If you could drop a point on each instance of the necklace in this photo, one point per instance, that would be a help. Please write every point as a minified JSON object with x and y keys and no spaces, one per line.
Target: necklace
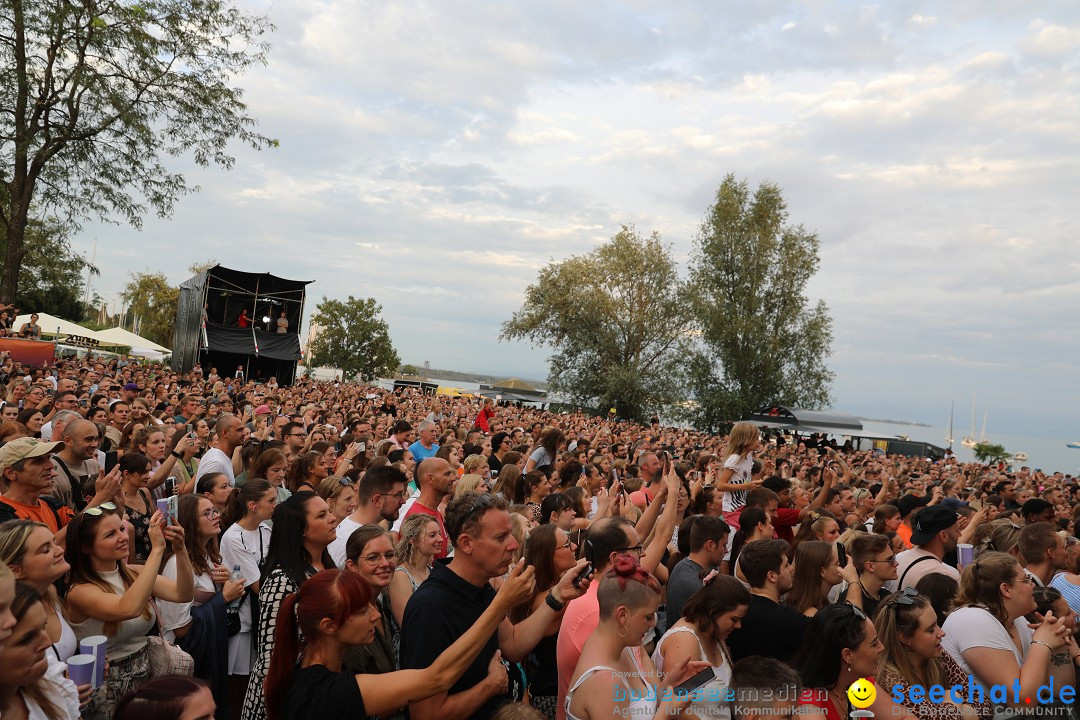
{"x":839,"y":702}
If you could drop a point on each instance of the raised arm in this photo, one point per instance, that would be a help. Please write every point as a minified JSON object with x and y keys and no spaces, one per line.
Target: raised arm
{"x":426,"y":689}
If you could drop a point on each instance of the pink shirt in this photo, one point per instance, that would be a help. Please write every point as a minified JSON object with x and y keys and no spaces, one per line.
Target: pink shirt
{"x":417,"y":509}
{"x":579,"y":622}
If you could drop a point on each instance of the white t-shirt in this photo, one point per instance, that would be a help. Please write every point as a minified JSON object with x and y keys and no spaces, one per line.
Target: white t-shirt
{"x":177,"y":615}
{"x":345,"y":529}
{"x":241,"y":547}
{"x":974,"y":627}
{"x":215,"y":461}
{"x":905,"y":559}
{"x":741,"y":467}
{"x":396,"y":527}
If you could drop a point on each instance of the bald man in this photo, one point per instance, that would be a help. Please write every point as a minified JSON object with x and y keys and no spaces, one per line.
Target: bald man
{"x":436,"y":480}
{"x":76,"y":465}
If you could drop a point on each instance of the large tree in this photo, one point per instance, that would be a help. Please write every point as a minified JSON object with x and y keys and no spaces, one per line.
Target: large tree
{"x":53,"y":276}
{"x":617,"y":319}
{"x":762,"y":340}
{"x":95,"y":93}
{"x":353,"y":337}
{"x":151,"y":306}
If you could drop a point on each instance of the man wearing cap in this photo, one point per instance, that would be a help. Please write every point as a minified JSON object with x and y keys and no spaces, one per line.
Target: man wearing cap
{"x":130,"y":391}
{"x":935,"y":531}
{"x":26,"y":464}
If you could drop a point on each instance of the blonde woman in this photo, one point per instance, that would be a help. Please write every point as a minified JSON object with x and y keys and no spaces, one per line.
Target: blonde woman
{"x":421,"y":541}
{"x":471,"y":483}
{"x":735,"y":478}
{"x":340,"y":494}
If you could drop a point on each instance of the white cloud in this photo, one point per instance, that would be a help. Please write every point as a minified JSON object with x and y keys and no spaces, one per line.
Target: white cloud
{"x":436,"y":155}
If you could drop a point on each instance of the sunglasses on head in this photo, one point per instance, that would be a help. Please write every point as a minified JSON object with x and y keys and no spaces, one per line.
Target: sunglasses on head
{"x":100,"y":509}
{"x":905,"y":597}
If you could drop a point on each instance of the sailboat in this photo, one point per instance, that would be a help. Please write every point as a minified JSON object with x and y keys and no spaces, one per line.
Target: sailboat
{"x":1073,"y":444}
{"x":969,"y":441}
{"x":948,"y":433}
{"x":982,"y":433}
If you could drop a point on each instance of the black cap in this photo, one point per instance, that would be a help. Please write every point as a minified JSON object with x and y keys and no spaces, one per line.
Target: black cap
{"x":930,"y":521}
{"x":909,"y":502}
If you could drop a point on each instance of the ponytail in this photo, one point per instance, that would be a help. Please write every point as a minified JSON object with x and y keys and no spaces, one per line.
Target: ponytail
{"x":283,"y":659}
{"x":236,"y":506}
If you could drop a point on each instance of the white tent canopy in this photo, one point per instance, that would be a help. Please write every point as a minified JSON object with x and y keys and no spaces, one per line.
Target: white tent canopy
{"x":120,"y":336}
{"x":52,"y":326}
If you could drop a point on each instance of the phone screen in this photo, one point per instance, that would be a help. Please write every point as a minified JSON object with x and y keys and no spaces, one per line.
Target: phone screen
{"x":696,"y":681}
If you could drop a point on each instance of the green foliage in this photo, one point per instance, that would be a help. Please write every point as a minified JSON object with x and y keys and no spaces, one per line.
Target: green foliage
{"x":151,"y":306}
{"x":97,"y":93}
{"x":53,"y":276}
{"x":762,"y":341}
{"x":354,"y":338}
{"x":409,"y":370}
{"x":989,"y":453}
{"x":617,"y":320}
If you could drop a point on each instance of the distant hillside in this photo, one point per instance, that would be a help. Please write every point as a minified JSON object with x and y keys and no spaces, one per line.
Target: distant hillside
{"x":487,"y":379}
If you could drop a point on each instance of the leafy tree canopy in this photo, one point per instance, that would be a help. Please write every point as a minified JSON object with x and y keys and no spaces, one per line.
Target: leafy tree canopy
{"x":353,"y":337}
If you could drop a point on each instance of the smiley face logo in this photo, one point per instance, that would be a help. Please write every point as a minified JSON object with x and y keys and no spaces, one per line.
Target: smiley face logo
{"x":862,"y":693}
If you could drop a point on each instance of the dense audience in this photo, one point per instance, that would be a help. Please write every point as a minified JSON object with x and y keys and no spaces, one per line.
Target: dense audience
{"x":341,"y":550}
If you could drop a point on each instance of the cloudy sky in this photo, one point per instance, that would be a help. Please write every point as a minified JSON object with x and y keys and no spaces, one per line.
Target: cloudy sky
{"x":435,"y":154}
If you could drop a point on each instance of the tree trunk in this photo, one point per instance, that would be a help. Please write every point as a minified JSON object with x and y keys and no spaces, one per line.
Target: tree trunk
{"x":16,"y":249}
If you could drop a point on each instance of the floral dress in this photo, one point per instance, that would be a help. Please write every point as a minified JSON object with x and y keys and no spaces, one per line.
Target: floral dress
{"x":141,"y":523}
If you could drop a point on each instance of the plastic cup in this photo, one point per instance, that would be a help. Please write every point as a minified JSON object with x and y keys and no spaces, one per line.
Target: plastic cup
{"x":96,"y":645}
{"x":81,"y":669}
{"x":965,"y":554}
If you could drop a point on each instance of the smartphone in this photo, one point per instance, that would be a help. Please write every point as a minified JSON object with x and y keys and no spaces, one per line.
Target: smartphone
{"x":170,"y":486}
{"x":696,"y":681}
{"x":841,"y":554}
{"x":585,"y":572}
{"x":111,"y":458}
{"x":361,"y":447}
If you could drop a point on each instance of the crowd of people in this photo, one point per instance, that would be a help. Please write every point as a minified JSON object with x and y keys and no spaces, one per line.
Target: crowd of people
{"x":340,"y":550}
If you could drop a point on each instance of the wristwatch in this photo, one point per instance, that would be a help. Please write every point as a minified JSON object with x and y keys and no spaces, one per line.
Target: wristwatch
{"x":553,"y":603}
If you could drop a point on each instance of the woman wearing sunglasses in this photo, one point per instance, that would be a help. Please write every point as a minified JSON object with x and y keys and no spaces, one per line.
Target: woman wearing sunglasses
{"x":987,"y":634}
{"x":841,"y":646}
{"x":200,"y":627}
{"x":908,"y":629}
{"x":340,"y":494}
{"x":109,"y":597}
{"x":551,"y":552}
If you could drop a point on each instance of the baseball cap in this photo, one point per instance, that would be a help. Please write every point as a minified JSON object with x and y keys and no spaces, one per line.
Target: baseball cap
{"x":262,"y":410}
{"x":930,"y":521}
{"x":131,"y":386}
{"x":26,"y":447}
{"x":909,"y":502}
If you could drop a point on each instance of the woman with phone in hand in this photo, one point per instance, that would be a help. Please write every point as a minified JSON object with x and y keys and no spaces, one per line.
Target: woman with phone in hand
{"x":150,"y":442}
{"x":184,"y":449}
{"x":612,"y":657}
{"x":551,"y":552}
{"x":708,"y":617}
{"x":109,"y":597}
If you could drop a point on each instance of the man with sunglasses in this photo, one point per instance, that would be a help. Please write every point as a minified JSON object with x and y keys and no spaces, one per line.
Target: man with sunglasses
{"x":457,"y":593}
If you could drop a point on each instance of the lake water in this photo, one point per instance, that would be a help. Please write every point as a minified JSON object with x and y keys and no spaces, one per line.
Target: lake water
{"x":1048,"y":454}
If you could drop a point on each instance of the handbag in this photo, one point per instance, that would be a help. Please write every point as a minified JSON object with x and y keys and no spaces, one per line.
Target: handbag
{"x":232,"y":615}
{"x":167,"y":659}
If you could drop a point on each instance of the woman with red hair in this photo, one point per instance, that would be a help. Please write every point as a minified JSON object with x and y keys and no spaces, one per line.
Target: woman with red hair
{"x":628,"y":598}
{"x":332,"y":611}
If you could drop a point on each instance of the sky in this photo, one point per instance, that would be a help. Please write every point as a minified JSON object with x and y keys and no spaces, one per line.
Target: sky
{"x":436,"y":155}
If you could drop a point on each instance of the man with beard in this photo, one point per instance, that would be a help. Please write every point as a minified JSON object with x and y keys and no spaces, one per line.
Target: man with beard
{"x":378,"y":498}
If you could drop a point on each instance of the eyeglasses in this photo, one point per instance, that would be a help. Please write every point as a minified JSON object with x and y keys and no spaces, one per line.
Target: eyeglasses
{"x":891,"y":560}
{"x":905,"y":597}
{"x":100,"y":509}
{"x":1026,"y":579}
{"x":374,"y":558}
{"x":566,"y":545}
{"x":211,"y":513}
{"x":639,"y":548}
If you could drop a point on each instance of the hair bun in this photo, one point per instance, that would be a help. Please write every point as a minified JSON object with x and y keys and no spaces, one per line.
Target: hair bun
{"x":625,"y":566}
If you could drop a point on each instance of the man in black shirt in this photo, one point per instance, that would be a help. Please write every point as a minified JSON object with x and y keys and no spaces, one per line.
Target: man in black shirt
{"x":769,"y":629}
{"x":457,"y":593}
